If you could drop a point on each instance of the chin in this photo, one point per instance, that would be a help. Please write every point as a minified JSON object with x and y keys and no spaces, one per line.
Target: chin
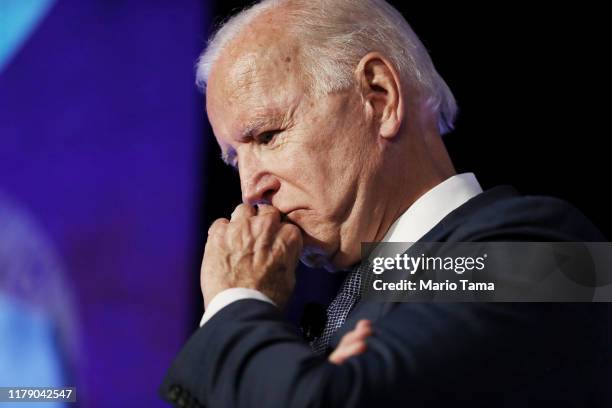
{"x":319,"y":249}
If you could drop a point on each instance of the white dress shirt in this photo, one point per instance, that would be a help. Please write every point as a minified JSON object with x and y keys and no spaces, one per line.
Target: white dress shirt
{"x":414,"y":223}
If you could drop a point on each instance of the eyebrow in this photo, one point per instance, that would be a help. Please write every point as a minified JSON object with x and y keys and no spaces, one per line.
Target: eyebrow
{"x":249,"y":131}
{"x":257,"y":122}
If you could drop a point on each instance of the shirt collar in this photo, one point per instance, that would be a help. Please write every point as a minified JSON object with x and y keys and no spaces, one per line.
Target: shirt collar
{"x":432,"y":207}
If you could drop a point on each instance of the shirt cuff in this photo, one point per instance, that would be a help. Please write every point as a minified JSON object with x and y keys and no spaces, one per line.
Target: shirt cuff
{"x":231,"y":295}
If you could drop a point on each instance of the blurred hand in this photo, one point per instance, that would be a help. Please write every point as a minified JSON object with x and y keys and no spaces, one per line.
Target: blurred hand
{"x":253,"y":250}
{"x":352,"y":343}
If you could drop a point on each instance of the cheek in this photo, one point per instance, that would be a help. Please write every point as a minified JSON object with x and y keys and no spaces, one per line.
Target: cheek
{"x":308,"y":166}
{"x":326,"y":157}
{"x":327,"y":173}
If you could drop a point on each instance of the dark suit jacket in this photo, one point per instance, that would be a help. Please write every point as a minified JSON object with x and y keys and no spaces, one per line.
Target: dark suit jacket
{"x":420,"y":354}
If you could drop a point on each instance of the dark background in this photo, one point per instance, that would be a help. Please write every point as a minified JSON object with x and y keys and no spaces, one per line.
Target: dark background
{"x":531,"y":86}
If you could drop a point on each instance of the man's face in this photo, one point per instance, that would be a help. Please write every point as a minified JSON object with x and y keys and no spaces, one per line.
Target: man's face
{"x":306,"y":156}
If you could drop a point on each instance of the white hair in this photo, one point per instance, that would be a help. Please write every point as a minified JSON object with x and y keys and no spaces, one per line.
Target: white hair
{"x":334,"y":35}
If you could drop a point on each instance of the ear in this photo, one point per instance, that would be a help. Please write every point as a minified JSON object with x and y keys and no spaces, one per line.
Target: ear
{"x":382,"y":92}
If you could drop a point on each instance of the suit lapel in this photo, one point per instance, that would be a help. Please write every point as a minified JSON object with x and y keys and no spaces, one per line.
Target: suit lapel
{"x":439,"y":233}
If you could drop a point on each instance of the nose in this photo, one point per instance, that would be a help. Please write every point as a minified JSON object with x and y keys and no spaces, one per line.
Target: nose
{"x":258,"y":184}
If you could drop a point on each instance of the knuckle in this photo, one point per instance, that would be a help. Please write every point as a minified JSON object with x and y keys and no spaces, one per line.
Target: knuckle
{"x":271,"y":216}
{"x":244,"y":207}
{"x":269,"y":221}
{"x":264,"y":223}
{"x":241,"y":210}
{"x":217,"y":226}
{"x":266,"y":208}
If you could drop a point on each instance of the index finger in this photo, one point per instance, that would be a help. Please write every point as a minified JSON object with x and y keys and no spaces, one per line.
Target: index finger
{"x":267,"y":209}
{"x":242,"y":211}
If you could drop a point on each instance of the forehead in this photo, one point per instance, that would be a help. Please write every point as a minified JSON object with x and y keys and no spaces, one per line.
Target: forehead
{"x":257,"y":80}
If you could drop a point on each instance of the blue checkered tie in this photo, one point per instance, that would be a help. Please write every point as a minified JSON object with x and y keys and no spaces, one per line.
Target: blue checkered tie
{"x":338,"y":310}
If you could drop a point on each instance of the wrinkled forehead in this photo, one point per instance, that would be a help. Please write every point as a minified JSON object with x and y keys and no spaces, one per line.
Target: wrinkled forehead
{"x":251,"y":79}
{"x":251,"y":75}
